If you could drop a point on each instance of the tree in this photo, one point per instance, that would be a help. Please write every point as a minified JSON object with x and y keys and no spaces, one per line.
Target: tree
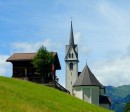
{"x":43,"y":62}
{"x":127,"y":107}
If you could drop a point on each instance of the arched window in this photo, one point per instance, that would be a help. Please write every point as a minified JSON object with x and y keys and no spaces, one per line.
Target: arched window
{"x":71,"y":66}
{"x":72,"y":55}
{"x":69,"y":55}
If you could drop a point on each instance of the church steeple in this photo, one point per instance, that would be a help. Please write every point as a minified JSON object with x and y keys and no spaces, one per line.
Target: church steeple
{"x":71,"y":41}
{"x":71,"y":60}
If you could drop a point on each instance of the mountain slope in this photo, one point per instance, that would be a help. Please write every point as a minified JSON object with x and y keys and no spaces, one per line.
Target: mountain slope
{"x":23,"y":96}
{"x":119,"y":96}
{"x":121,"y":91}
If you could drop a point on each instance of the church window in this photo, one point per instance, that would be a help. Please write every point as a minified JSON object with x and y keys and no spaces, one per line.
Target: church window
{"x":69,"y":55}
{"x":71,"y":66}
{"x":72,"y":55}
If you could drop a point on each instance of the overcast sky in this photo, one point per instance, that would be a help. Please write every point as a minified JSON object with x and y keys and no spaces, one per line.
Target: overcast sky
{"x":101,"y":30}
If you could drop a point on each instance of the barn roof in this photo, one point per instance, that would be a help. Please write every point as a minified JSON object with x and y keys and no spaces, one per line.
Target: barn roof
{"x":21,"y":56}
{"x":29,"y":56}
{"x":87,"y":78}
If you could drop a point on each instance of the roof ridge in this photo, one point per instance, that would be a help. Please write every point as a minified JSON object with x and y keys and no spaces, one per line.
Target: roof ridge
{"x":88,"y":72}
{"x":25,"y":53}
{"x":91,"y":76}
{"x":83,"y":77}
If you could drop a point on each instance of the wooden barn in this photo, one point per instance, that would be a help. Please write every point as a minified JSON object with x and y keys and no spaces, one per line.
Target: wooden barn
{"x":24,"y":69}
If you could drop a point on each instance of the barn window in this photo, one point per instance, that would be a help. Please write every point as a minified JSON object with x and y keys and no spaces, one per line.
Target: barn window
{"x":71,"y":66}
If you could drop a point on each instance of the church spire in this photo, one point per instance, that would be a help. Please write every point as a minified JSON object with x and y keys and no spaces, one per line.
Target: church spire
{"x":71,"y":41}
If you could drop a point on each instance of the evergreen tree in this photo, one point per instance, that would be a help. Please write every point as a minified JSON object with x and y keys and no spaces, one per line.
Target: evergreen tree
{"x":43,"y":61}
{"x":127,"y":107}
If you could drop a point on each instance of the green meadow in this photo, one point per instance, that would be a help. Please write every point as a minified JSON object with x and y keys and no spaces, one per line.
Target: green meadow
{"x":23,"y":96}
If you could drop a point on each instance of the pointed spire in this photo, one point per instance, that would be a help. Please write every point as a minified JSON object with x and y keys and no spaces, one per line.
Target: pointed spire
{"x":71,"y":41}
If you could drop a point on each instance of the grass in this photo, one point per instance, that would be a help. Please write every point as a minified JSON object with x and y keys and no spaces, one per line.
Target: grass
{"x":23,"y":96}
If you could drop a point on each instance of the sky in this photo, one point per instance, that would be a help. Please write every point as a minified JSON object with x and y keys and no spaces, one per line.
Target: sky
{"x":101,"y":30}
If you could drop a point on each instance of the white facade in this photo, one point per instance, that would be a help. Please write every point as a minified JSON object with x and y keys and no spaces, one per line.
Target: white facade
{"x":71,"y":70}
{"x":87,"y":93}
{"x":102,"y":91}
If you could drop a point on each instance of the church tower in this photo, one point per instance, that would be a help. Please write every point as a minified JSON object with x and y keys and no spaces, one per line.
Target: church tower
{"x":71,"y":60}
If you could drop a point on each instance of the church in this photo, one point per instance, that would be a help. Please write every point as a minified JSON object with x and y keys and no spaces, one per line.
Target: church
{"x":83,"y":85}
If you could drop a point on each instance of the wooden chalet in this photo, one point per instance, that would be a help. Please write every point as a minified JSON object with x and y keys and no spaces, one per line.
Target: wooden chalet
{"x":24,"y":69}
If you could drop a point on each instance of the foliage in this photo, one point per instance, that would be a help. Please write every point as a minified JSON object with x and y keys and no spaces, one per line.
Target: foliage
{"x":23,"y":96}
{"x":43,"y":61}
{"x":127,"y":107}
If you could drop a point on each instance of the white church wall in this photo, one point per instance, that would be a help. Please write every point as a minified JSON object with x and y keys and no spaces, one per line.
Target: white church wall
{"x":89,"y":94}
{"x":102,"y":92}
{"x":95,"y":95}
{"x":77,"y":92}
{"x":71,"y":75}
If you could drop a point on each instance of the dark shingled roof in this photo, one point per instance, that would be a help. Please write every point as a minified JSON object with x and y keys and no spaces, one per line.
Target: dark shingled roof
{"x":87,"y":78}
{"x":71,"y":41}
{"x":104,"y":100}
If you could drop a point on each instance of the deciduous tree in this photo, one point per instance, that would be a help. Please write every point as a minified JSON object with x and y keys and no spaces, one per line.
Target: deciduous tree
{"x":127,"y":107}
{"x":43,"y":61}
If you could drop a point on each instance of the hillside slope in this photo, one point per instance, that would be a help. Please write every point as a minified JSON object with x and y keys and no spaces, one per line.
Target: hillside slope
{"x":119,"y":96}
{"x":121,"y":91}
{"x":23,"y":96}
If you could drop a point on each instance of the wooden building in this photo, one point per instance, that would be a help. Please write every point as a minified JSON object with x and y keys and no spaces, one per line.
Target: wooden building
{"x":24,"y":69}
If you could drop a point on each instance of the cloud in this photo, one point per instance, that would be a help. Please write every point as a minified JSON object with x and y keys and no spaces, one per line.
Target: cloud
{"x":114,"y":72}
{"x":33,"y":47}
{"x":4,"y":66}
{"x":114,"y":15}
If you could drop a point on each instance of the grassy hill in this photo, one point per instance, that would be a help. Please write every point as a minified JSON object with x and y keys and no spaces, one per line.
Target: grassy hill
{"x":23,"y":96}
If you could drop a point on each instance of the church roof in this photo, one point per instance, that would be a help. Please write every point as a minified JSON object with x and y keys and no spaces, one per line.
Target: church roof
{"x":68,"y":48}
{"x":71,"y":41}
{"x":87,"y":78}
